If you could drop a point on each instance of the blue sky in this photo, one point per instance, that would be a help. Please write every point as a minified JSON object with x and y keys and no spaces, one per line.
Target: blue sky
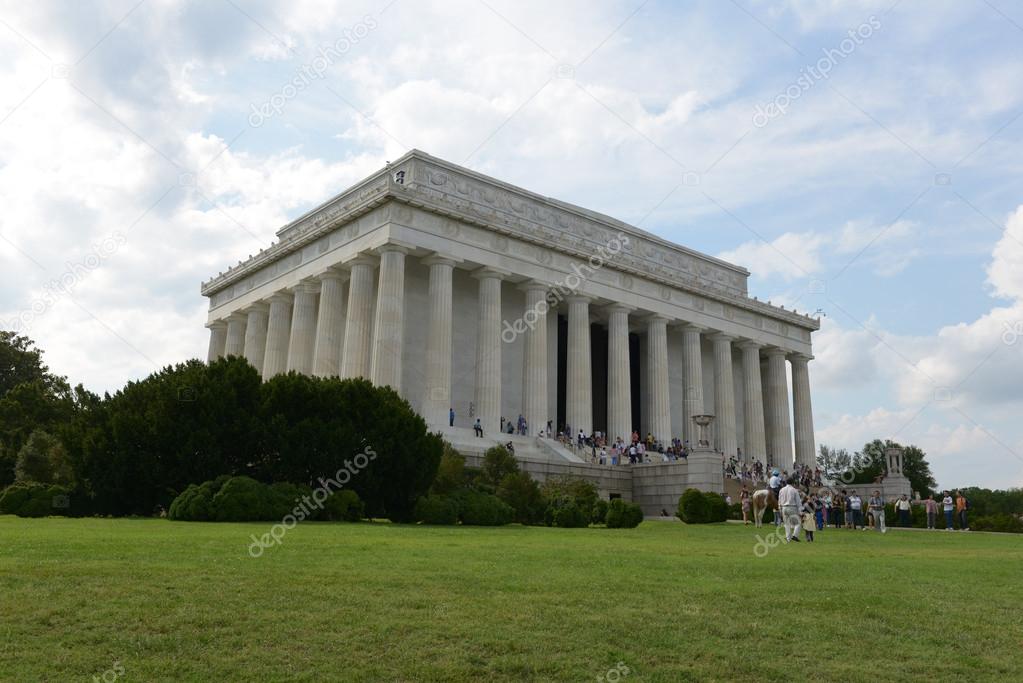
{"x":887,"y":193}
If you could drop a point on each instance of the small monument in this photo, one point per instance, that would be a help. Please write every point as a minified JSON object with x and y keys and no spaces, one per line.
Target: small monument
{"x":706,"y":468}
{"x":895,"y":482}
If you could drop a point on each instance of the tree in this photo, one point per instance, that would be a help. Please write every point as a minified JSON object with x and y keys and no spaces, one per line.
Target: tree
{"x":43,"y":460}
{"x":833,"y":462}
{"x":522,"y":493}
{"x":450,"y":472}
{"x":918,"y":471}
{"x":497,"y":464}
{"x":22,"y":363}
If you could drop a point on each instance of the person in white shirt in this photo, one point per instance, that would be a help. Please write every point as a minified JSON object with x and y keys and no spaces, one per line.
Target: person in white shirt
{"x":856,"y":506}
{"x":790,"y":503}
{"x":948,"y":505}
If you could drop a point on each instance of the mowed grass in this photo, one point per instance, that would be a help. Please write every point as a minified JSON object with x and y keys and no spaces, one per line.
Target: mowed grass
{"x":382,"y":602}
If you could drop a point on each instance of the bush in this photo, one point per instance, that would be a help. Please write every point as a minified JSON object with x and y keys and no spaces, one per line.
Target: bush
{"x":522,"y":493}
{"x":195,"y":504}
{"x":285,"y":497}
{"x":998,"y":522}
{"x":497,"y":464}
{"x":484,"y":509}
{"x":450,"y":472}
{"x":692,"y":507}
{"x":570,"y":516}
{"x":343,"y":506}
{"x":435,"y":509}
{"x":599,"y":514}
{"x":717,"y":508}
{"x":243,"y":499}
{"x":622,"y":515}
{"x":31,"y":499}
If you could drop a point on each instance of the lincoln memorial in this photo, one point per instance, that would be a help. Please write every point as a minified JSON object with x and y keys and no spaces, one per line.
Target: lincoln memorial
{"x":465,"y":293}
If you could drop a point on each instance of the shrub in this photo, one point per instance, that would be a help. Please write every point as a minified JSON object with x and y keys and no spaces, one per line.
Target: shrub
{"x":435,"y":509}
{"x":570,"y":516}
{"x":599,"y":514}
{"x":195,"y":504}
{"x":484,"y":509}
{"x":692,"y":507}
{"x":285,"y":497}
{"x":450,"y":472}
{"x":567,"y":489}
{"x":522,"y":493}
{"x":497,"y":464}
{"x":343,"y":506}
{"x":717,"y":508}
{"x":32,"y":499}
{"x":998,"y":522}
{"x":243,"y":499}
{"x":622,"y":515}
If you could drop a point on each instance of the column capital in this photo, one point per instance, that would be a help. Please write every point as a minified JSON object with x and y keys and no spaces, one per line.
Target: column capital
{"x":686,"y":326}
{"x":721,"y":336}
{"x":619,"y":308}
{"x":280,"y":297}
{"x":394,"y":246}
{"x":579,"y":299}
{"x":656,"y":319}
{"x":360,"y":259}
{"x":217,"y":325}
{"x":533,"y":285}
{"x":311,"y":286}
{"x":258,"y":307}
{"x":748,"y":344}
{"x":772,"y":351}
{"x":486,"y":273}
{"x":800,"y":357}
{"x":237,"y":317}
{"x":438,"y":259}
{"x":333,"y":273}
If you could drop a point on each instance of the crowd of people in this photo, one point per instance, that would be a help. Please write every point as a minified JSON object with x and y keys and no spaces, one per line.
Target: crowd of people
{"x":799,"y":507}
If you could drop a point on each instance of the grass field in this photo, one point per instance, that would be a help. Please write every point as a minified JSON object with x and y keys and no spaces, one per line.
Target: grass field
{"x":379,"y":602}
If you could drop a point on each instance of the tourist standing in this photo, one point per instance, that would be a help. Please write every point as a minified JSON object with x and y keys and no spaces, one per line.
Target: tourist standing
{"x":790,"y":504}
{"x":856,"y":510}
{"x":931,"y":508}
{"x":451,"y":417}
{"x":876,"y":505}
{"x":744,"y":498}
{"x":948,"y":505}
{"x":962,"y":505}
{"x":902,"y":506}
{"x":808,"y":526}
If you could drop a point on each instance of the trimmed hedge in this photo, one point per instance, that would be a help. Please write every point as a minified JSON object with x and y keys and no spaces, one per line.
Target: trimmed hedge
{"x":436,"y":509}
{"x":31,"y":499}
{"x":622,"y":515}
{"x":484,"y":509}
{"x":243,"y":499}
{"x":570,"y":516}
{"x":599,"y":515}
{"x":700,"y":507}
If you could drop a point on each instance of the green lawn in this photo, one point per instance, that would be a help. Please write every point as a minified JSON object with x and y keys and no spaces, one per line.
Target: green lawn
{"x":381,"y":602}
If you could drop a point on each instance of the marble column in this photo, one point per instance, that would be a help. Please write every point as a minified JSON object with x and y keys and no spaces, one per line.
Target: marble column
{"x":765,"y":384}
{"x":657,"y":378}
{"x":534,"y":357}
{"x":778,"y":423}
{"x":278,"y":333}
{"x":619,"y":380}
{"x":355,"y":354}
{"x":755,"y":448}
{"x":235,"y":343}
{"x":437,"y":385}
{"x":255,"y":335}
{"x":802,"y":412}
{"x":218,"y":340}
{"x":692,"y":354}
{"x":487,"y":396}
{"x":389,"y":328}
{"x":579,"y":378}
{"x":724,"y":396}
{"x":330,"y":324}
{"x":303,"y":328}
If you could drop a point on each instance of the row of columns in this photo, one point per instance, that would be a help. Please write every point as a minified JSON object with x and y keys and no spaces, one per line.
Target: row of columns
{"x":312,"y":330}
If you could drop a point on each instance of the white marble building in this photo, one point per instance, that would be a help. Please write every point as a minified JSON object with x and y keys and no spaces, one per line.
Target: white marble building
{"x":461,"y":291}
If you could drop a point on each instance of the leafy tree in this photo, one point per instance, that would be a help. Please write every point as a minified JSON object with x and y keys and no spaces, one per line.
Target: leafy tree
{"x":833,"y":462}
{"x":44,"y":460}
{"x":22,"y":363}
{"x":450,"y":471}
{"x":918,"y":471}
{"x":497,"y":464}
{"x":522,"y":493}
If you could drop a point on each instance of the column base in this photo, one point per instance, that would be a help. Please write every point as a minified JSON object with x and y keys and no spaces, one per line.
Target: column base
{"x":705,"y":470}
